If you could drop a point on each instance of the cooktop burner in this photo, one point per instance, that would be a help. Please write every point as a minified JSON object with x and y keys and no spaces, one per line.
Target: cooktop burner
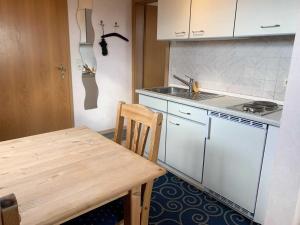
{"x":258,"y":107}
{"x":253,"y":108}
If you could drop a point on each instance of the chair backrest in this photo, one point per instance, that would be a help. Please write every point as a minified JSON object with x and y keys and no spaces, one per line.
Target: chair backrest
{"x":139,"y":120}
{"x":9,"y":213}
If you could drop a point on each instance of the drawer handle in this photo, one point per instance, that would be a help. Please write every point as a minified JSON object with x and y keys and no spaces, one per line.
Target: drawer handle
{"x":186,"y":113}
{"x":176,"y":124}
{"x":272,"y":26}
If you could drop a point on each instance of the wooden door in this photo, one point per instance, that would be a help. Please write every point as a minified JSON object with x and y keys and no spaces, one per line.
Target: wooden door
{"x":156,"y":53}
{"x":173,"y":19}
{"x":35,"y":96}
{"x":212,"y":18}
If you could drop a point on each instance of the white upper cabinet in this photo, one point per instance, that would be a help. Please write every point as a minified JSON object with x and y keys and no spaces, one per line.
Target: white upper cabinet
{"x":265,"y":17}
{"x":173,"y":19}
{"x":212,"y":18}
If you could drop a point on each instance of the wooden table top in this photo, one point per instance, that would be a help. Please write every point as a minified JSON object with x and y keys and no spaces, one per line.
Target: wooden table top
{"x":59,"y":175}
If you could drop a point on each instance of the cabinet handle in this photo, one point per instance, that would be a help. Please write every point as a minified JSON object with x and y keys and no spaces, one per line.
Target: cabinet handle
{"x":198,"y":32}
{"x":271,"y":26}
{"x":186,"y":113}
{"x":209,"y":129}
{"x":180,"y":33}
{"x":176,"y":124}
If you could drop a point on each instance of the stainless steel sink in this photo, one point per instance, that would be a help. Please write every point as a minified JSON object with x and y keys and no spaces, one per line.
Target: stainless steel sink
{"x":169,"y":90}
{"x":183,"y":93}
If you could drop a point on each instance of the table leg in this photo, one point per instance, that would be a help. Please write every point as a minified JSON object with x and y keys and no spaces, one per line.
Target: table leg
{"x":132,"y":207}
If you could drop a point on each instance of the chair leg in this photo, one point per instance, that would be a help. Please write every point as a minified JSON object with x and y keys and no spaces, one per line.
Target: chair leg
{"x":146,"y":203}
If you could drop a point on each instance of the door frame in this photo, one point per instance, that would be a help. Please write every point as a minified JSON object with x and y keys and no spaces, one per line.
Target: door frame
{"x":70,"y":69}
{"x":138,"y":31}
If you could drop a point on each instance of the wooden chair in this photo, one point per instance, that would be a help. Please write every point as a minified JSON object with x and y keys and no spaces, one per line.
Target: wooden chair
{"x":140,"y":120}
{"x":9,"y":213}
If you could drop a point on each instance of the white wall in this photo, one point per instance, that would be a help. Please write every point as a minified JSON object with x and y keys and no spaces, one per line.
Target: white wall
{"x":286,"y":172}
{"x":254,"y":67}
{"x":113,"y":71}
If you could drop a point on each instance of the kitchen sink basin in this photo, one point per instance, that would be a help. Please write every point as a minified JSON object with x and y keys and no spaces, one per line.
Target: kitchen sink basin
{"x":183,"y":93}
{"x":169,"y":90}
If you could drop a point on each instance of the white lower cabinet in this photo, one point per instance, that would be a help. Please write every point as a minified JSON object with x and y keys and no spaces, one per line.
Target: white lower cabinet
{"x":185,"y":146}
{"x":238,"y":153}
{"x":233,"y":159}
{"x":162,"y":143}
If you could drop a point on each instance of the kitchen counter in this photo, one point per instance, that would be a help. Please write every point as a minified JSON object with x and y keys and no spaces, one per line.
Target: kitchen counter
{"x":220,"y":104}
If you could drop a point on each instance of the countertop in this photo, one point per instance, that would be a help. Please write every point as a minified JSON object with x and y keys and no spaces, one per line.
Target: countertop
{"x":220,"y":104}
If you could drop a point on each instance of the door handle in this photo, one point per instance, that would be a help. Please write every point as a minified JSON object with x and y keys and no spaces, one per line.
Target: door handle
{"x":62,"y":69}
{"x":209,"y":129}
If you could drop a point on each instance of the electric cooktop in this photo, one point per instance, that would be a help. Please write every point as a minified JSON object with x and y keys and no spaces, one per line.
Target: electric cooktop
{"x":261,"y":108}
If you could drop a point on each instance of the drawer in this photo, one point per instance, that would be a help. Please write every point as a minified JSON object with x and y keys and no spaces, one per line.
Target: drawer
{"x":154,"y":103}
{"x":188,"y":112}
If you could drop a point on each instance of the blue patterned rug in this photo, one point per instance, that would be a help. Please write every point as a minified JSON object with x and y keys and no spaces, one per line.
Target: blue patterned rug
{"x":174,"y":202}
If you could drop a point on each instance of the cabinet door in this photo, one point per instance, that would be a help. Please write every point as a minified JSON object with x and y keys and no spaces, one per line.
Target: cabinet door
{"x":212,"y":18}
{"x":233,"y":159}
{"x":265,"y":17}
{"x":266,"y":174}
{"x":185,"y":146}
{"x":162,"y":143}
{"x":173,"y":19}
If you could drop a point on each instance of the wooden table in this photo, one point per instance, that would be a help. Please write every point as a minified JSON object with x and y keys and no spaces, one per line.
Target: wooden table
{"x":58,"y":176}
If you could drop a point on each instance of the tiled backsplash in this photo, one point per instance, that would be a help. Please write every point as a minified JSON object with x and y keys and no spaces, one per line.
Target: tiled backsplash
{"x":255,"y":67}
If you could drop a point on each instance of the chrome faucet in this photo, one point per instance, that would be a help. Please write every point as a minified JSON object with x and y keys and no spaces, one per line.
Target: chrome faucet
{"x":187,"y":83}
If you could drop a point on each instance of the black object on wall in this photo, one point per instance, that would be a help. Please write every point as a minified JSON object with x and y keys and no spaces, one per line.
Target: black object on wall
{"x":103,"y":45}
{"x":103,"y":42}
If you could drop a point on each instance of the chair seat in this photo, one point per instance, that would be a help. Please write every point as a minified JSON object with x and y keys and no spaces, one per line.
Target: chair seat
{"x":109,"y":214}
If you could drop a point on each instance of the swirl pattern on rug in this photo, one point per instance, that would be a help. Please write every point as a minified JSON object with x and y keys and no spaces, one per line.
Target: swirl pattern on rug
{"x":174,"y":202}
